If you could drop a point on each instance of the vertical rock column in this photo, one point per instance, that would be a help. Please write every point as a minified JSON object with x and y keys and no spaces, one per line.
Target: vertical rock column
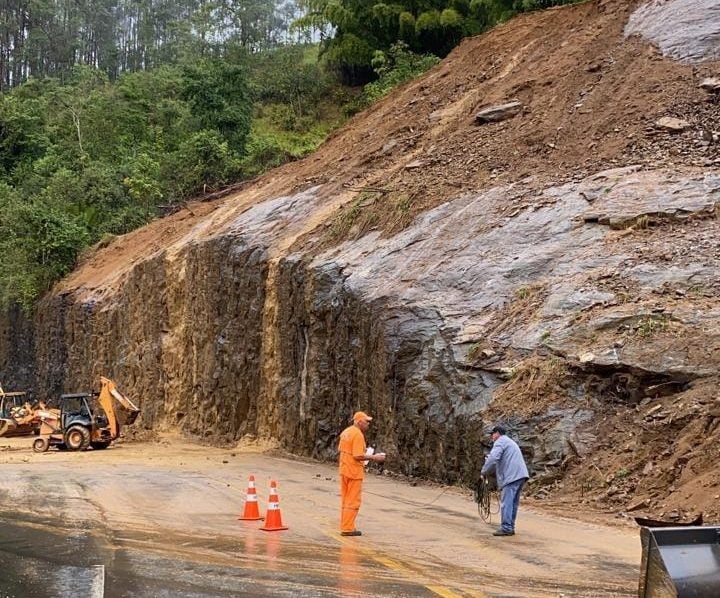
{"x":17,"y":350}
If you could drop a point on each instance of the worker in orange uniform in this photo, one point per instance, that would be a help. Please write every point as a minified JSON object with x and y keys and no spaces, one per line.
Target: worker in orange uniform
{"x":353,"y":457}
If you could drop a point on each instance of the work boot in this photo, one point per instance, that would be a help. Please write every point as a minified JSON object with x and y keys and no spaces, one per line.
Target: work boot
{"x":502,"y":532}
{"x":355,"y":532}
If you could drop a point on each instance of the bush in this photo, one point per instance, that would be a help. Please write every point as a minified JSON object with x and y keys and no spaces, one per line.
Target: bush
{"x":82,"y":158}
{"x":394,"y":68}
{"x":203,"y":162}
{"x":39,"y":243}
{"x":350,"y":57}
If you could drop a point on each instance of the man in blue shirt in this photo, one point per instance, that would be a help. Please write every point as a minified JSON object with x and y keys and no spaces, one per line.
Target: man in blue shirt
{"x":511,"y":473}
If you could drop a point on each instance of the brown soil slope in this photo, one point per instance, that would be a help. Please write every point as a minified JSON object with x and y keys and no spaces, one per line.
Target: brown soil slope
{"x":590,"y":97}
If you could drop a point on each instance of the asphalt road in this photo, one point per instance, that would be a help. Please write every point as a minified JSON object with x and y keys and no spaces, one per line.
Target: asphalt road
{"x":160,"y":519}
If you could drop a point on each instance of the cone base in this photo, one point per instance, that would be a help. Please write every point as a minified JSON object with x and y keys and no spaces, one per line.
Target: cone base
{"x":274,"y":529}
{"x":251,"y":518}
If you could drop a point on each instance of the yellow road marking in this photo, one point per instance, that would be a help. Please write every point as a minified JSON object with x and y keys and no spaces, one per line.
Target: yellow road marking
{"x":389,"y":563}
{"x":477,"y":594}
{"x":400,"y":567}
{"x":444,"y":592}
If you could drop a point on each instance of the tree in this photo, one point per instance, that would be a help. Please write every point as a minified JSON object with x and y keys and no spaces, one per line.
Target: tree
{"x":218,"y":97}
{"x":84,"y":157}
{"x":358,"y":28}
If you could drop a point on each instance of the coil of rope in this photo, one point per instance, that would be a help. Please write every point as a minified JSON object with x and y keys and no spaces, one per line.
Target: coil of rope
{"x":485,"y":491}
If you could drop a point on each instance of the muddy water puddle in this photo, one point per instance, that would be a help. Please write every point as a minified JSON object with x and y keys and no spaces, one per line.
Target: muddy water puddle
{"x":44,"y":559}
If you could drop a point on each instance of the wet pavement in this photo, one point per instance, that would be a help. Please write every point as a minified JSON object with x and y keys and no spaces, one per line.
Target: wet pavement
{"x":40,"y":559}
{"x":37,"y":563}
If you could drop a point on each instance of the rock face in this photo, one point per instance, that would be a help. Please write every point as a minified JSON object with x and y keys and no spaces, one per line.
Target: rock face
{"x":17,"y":351}
{"x":235,"y":334}
{"x":683,"y":29}
{"x":439,"y":275}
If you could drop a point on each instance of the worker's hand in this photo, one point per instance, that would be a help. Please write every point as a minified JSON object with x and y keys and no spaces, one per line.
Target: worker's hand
{"x":378,"y":457}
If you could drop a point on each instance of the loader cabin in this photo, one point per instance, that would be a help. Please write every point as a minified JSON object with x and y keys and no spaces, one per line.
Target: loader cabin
{"x":10,"y":401}
{"x":75,"y":407}
{"x":80,"y":422}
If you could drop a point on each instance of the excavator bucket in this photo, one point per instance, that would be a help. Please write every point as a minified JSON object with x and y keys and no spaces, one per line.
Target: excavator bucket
{"x":680,"y":562}
{"x":131,"y":411}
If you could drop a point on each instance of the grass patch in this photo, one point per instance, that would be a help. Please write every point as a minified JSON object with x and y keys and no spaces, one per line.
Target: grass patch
{"x":652,"y":325}
{"x":271,"y":145}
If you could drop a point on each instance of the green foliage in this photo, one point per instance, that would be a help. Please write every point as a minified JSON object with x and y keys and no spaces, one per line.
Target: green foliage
{"x":291,"y":77}
{"x":652,"y":325}
{"x":271,"y":144}
{"x":359,"y":29}
{"x":43,"y":38}
{"x":407,"y":27}
{"x":83,"y":157}
{"x":395,"y":67}
{"x":203,"y":160}
{"x":218,"y":97}
{"x":39,"y":243}
{"x":350,"y":56}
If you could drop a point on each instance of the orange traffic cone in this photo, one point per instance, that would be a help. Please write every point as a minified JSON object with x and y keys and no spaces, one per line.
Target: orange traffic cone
{"x":273,"y":518}
{"x":251,"y":511}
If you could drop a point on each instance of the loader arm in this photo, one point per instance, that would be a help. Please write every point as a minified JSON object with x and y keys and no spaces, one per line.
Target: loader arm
{"x":109,"y":392}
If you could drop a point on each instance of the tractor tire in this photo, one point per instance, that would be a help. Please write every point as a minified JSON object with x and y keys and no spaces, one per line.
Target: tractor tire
{"x":77,"y":438}
{"x":41,"y":445}
{"x":98,"y":445}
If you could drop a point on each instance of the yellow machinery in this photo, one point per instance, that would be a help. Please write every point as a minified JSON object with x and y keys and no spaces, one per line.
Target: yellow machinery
{"x":84,"y":420}
{"x":16,"y":414}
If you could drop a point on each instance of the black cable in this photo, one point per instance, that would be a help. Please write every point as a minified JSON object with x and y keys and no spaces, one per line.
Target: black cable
{"x":485,"y":491}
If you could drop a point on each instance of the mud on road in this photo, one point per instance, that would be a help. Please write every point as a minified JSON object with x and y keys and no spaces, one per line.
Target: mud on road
{"x":160,"y":519}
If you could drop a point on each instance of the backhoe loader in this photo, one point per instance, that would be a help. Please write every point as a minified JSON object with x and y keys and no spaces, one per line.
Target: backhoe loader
{"x":16,"y":414}
{"x":84,"y":420}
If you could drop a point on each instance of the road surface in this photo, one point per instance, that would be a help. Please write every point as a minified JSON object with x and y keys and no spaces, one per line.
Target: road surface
{"x":159,"y":519}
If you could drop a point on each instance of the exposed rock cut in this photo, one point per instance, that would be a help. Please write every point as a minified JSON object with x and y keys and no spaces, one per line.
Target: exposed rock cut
{"x":683,"y":29}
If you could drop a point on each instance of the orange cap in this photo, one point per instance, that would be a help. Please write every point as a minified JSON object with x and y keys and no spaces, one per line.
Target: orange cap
{"x":361,"y":416}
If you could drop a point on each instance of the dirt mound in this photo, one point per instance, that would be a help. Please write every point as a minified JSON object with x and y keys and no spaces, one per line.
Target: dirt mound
{"x":658,"y":458}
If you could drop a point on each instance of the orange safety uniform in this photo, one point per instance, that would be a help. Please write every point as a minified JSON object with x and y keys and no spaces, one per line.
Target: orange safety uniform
{"x":352,"y":472}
